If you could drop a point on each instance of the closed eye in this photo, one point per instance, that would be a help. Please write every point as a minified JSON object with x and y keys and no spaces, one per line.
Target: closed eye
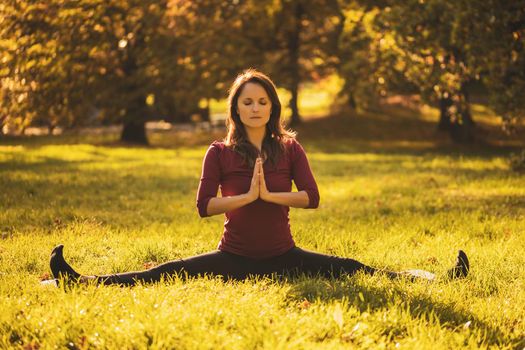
{"x":249,"y":102}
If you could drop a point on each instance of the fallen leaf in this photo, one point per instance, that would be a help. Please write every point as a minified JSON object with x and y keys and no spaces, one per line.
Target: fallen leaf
{"x":150,"y":264}
{"x":45,"y":276}
{"x":305,"y":304}
{"x":338,"y":316}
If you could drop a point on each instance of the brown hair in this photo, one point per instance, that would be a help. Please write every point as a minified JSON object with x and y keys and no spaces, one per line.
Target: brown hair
{"x":276,"y":134}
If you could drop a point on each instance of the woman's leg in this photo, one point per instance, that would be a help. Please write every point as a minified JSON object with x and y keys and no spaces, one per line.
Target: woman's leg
{"x":236,"y":267}
{"x":229,"y":265}
{"x":299,"y":260}
{"x":213,"y":263}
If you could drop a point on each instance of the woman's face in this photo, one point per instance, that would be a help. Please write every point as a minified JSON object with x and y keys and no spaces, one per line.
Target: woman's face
{"x":254,"y":106}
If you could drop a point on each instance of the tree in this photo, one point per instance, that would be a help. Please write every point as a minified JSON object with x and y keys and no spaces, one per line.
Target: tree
{"x":443,"y":48}
{"x":219,"y":39}
{"x":432,"y":58}
{"x":123,"y":45}
{"x":305,"y":44}
{"x":292,"y":40}
{"x":121,"y":57}
{"x":35,"y":79}
{"x":493,"y":32}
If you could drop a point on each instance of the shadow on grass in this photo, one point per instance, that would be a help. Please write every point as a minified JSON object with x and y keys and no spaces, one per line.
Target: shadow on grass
{"x":397,"y":130}
{"x":392,"y":130}
{"x":157,"y":139}
{"x":407,"y":164}
{"x":73,"y":138}
{"x":370,"y":299}
{"x":60,"y":191}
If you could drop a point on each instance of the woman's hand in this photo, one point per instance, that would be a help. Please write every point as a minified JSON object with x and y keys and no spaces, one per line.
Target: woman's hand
{"x":263,"y":190}
{"x":291,"y":199}
{"x":254,"y":192}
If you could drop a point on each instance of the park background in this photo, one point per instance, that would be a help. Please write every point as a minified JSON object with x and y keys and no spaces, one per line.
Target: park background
{"x":412,"y":116}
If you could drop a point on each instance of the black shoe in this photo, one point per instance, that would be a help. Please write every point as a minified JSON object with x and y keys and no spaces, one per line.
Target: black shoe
{"x":60,"y":268}
{"x":461,"y":268}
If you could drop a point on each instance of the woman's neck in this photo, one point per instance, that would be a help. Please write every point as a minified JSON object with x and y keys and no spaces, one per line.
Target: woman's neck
{"x":256,"y":136}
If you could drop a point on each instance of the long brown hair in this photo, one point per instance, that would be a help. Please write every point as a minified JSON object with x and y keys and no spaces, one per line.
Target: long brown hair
{"x":276,"y":134}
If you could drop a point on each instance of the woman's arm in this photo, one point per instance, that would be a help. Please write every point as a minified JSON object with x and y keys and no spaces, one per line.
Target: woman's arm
{"x":291,"y":199}
{"x":307,"y":195}
{"x":302,"y":175}
{"x":219,"y":205}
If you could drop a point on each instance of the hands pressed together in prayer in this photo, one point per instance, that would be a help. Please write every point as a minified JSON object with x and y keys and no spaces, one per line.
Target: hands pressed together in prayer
{"x":258,"y":187}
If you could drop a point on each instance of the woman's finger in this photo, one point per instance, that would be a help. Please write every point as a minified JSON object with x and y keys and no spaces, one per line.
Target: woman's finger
{"x":262,"y":181}
{"x":255,"y":169}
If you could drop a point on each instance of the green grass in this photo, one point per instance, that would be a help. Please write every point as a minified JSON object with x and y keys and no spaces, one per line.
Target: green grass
{"x":392,"y":196}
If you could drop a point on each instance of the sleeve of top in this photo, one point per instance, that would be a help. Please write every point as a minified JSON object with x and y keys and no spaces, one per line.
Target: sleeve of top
{"x":302,"y":175}
{"x":210,"y":179}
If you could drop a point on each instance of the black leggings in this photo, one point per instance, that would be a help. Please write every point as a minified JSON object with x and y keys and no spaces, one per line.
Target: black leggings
{"x":235,"y":267}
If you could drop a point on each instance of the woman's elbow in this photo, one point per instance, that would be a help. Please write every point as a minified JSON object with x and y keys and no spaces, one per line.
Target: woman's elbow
{"x":202,"y":214}
{"x":202,"y":208}
{"x":313,"y":199}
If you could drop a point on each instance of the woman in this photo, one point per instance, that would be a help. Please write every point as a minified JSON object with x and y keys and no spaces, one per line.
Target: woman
{"x":254,"y":167}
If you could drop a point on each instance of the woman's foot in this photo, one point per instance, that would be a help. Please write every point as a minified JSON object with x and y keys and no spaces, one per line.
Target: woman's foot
{"x":60,"y":268}
{"x":461,"y":268}
{"x":418,"y":275}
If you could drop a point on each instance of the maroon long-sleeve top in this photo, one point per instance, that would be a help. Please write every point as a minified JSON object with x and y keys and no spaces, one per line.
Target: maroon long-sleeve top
{"x":259,"y":229}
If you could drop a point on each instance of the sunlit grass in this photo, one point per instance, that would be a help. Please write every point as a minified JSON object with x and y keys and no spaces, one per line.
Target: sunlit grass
{"x":392,"y":196}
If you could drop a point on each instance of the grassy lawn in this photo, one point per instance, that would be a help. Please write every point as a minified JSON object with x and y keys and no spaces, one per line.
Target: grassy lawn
{"x":394,"y":194}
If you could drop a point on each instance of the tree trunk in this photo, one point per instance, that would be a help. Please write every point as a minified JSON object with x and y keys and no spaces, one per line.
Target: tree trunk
{"x":462,"y":130}
{"x":205,"y":112}
{"x":466,"y":115}
{"x":293,"y":49}
{"x":2,"y":119}
{"x":444,"y":114}
{"x":134,"y":131}
{"x":296,"y":118}
{"x":351,"y":101}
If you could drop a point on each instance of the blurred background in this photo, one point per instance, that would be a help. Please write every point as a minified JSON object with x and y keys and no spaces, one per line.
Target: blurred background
{"x":129,"y":67}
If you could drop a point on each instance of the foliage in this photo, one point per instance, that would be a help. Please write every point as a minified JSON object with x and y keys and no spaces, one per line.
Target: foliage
{"x":304,"y":38}
{"x":493,"y":32}
{"x":80,"y":63}
{"x":443,"y":49}
{"x":34,"y":78}
{"x":118,"y":61}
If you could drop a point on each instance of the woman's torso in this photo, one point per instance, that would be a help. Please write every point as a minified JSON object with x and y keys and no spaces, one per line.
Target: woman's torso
{"x":259,"y":229}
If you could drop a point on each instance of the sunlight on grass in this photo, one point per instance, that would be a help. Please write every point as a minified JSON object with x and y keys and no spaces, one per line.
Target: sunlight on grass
{"x":119,"y":209}
{"x":394,"y":194}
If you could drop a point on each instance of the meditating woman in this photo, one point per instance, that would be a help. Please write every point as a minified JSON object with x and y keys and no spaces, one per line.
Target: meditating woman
{"x":253,"y":167}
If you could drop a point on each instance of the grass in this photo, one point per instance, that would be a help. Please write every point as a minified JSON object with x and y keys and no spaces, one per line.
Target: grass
{"x":394,"y":194}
